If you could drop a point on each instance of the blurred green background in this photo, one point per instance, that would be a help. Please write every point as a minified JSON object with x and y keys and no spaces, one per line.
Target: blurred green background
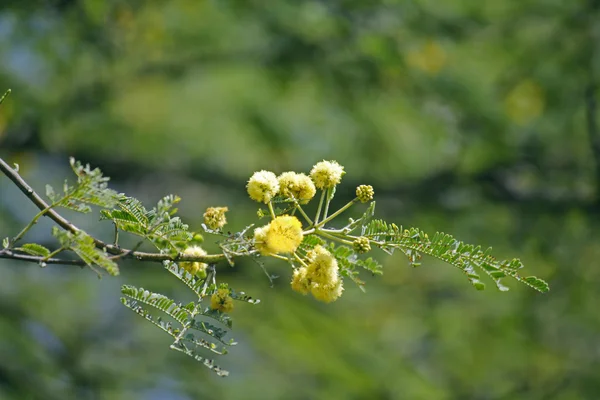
{"x":479,"y":119}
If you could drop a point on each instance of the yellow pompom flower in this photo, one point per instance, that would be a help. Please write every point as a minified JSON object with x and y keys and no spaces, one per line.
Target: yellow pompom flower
{"x":300,"y":282}
{"x":260,"y":240}
{"x":194,"y":267}
{"x":323,"y":267}
{"x":214,"y":217}
{"x":263,"y":186}
{"x":297,"y":186}
{"x":327,"y":292}
{"x":282,"y":235}
{"x":327,"y":174}
{"x":221,"y":301}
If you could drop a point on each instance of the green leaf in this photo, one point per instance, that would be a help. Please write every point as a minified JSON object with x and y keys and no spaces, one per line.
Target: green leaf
{"x":161,"y":302}
{"x":34,"y":249}
{"x":5,"y":242}
{"x":414,"y":242}
{"x":165,"y":326}
{"x":91,"y":189}
{"x":241,"y":296}
{"x":83,"y":245}
{"x":210,"y":364}
{"x":188,"y":279}
{"x":50,"y":193}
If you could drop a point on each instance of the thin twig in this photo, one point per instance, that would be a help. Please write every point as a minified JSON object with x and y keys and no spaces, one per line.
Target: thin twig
{"x":36,"y":259}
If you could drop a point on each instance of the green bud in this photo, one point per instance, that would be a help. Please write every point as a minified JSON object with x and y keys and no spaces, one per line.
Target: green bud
{"x":365,"y":193}
{"x":361,"y":245}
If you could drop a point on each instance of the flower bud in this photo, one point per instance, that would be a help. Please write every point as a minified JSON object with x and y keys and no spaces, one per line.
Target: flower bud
{"x":365,"y":193}
{"x":361,"y":245}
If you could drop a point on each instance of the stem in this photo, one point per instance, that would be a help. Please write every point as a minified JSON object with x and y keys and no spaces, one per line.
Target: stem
{"x":279,"y":257}
{"x":319,"y":208}
{"x":327,"y":201}
{"x":300,"y":260}
{"x":335,"y":214}
{"x":303,"y":213}
{"x":4,"y":96}
{"x":55,"y":252}
{"x":271,"y":209}
{"x":337,"y":239}
{"x":30,"y":224}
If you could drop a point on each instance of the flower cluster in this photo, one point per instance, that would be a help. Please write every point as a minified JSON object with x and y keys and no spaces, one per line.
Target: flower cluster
{"x":320,"y":277}
{"x":316,"y":272}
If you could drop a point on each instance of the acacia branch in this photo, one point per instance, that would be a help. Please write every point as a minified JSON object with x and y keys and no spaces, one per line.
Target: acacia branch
{"x":115,"y":250}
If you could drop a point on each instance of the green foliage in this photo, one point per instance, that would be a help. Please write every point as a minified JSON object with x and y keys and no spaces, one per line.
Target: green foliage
{"x":91,"y":189}
{"x":414,"y":242}
{"x":169,"y":234}
{"x":189,"y":318}
{"x":83,"y":245}
{"x":34,"y":249}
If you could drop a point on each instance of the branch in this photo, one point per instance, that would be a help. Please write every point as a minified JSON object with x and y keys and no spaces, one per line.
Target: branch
{"x":138,"y":255}
{"x":115,"y":250}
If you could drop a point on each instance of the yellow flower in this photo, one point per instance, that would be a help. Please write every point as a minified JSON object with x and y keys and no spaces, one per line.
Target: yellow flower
{"x":282,"y":235}
{"x":297,"y":186}
{"x":327,"y":292}
{"x":285,"y":234}
{"x":263,"y":186}
{"x":323,"y":267}
{"x":214,"y":217}
{"x":327,"y":174}
{"x":221,"y":301}
{"x":260,"y":240}
{"x":300,"y":282}
{"x":194,"y":267}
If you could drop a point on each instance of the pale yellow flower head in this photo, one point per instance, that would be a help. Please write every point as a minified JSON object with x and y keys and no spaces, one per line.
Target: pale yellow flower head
{"x":323,"y":267}
{"x":214,"y":217}
{"x":297,"y":186}
{"x":282,"y":235}
{"x":327,"y":174}
{"x":327,"y":292}
{"x":300,"y":281}
{"x":260,"y":240}
{"x":285,"y":234}
{"x":221,"y":301}
{"x":194,"y":267}
{"x":263,"y":186}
